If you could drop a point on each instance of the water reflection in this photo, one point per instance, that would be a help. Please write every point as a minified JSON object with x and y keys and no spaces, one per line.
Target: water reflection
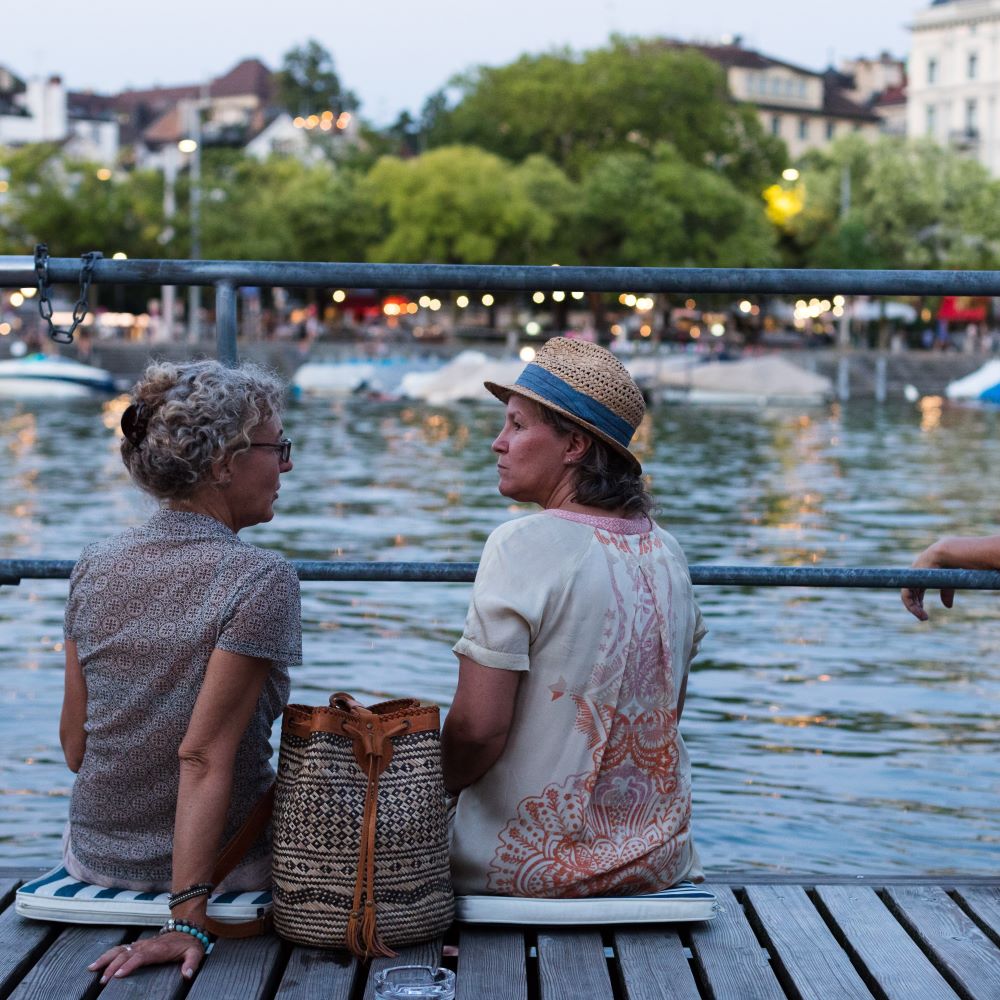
{"x":828,"y":730}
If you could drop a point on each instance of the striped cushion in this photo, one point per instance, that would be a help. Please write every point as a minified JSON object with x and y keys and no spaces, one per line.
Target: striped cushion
{"x":682,"y":902}
{"x":58,"y":896}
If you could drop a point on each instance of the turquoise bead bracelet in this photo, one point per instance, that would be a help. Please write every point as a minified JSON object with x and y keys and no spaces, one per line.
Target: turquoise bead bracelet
{"x":187,"y":927}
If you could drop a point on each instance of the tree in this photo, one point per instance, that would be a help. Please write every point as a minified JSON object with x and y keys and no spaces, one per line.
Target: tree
{"x":911,"y":205}
{"x":307,"y":82}
{"x":632,"y":94}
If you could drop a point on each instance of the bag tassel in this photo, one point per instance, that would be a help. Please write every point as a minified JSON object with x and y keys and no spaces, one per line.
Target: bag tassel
{"x":362,"y":928}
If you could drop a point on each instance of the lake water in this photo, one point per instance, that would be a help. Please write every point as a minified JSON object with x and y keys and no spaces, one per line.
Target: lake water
{"x":829,"y":731}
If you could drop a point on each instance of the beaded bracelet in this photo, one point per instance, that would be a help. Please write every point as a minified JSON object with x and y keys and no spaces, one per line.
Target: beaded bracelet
{"x":191,"y":892}
{"x":195,"y":930}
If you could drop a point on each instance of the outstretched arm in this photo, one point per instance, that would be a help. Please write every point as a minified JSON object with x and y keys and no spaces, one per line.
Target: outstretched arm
{"x":951,"y":552}
{"x":475,"y":731}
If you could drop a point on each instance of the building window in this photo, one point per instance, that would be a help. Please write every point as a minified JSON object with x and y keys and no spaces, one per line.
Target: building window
{"x":931,"y":119}
{"x":932,"y":69}
{"x":973,"y":65}
{"x":831,"y":128}
{"x":775,"y":124}
{"x":803,"y":128}
{"x":970,"y":116}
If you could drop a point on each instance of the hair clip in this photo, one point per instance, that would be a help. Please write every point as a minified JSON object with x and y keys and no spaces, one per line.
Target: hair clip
{"x":135,"y":423}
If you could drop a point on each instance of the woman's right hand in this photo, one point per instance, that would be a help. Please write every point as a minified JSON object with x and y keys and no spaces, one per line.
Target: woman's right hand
{"x":913,"y":597}
{"x":124,"y":959}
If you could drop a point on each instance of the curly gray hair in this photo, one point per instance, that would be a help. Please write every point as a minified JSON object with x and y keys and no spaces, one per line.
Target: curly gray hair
{"x":192,"y":415}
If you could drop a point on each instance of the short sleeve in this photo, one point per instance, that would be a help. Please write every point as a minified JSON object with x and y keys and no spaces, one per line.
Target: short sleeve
{"x":508,"y":599}
{"x":74,"y":601}
{"x":265,"y":619}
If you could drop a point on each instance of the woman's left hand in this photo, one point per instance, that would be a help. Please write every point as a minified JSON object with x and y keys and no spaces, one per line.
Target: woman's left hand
{"x":124,"y":959}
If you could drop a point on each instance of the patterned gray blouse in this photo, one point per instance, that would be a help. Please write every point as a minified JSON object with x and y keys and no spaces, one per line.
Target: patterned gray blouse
{"x":146,"y":608}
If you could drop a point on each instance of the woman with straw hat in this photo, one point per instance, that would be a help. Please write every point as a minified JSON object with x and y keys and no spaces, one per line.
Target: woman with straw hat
{"x":563,"y":737}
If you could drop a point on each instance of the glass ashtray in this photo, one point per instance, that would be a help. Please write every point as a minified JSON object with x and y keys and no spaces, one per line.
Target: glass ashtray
{"x":408,"y":982}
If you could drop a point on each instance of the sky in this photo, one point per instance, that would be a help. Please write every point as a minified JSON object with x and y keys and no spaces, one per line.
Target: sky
{"x":394,"y":53}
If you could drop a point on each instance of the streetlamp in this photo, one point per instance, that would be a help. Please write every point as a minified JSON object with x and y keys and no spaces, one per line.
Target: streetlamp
{"x":192,"y":147}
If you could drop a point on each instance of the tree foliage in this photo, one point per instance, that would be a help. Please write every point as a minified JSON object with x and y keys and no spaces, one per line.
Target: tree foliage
{"x":307,"y":82}
{"x":631,"y":94}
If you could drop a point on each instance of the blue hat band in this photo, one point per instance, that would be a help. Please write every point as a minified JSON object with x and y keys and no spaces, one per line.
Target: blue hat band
{"x":555,"y":390}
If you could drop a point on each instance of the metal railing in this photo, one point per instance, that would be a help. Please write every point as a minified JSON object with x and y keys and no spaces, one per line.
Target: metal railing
{"x":228,"y":276}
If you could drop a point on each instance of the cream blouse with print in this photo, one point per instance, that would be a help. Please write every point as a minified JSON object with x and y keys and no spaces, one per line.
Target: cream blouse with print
{"x":592,"y":793}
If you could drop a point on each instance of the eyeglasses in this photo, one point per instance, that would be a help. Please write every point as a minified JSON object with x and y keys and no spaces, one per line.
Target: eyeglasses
{"x":282,"y":447}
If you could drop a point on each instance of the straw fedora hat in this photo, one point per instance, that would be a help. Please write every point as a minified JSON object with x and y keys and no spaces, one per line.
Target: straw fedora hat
{"x":586,"y":384}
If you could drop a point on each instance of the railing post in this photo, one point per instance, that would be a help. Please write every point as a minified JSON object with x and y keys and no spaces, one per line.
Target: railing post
{"x":225,"y":323}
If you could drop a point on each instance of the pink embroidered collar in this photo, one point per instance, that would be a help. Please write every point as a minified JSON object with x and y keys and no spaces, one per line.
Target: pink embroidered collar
{"x":621,"y":525}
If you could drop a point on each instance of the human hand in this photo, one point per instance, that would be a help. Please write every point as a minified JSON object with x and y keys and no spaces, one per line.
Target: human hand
{"x":913,"y":597}
{"x":124,"y":959}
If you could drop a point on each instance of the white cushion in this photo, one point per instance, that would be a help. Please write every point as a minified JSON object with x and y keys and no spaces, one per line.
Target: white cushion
{"x":682,"y":902}
{"x":58,"y":896}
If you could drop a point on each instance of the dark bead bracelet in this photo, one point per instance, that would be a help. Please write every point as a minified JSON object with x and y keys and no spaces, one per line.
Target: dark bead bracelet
{"x":191,"y":892}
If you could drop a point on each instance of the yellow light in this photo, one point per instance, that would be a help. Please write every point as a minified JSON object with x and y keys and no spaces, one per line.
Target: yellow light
{"x":533,"y":329}
{"x":839,"y":300}
{"x":789,"y":174}
{"x":390,"y":309}
{"x":718,"y":330}
{"x":425,"y":301}
{"x":299,"y":121}
{"x":622,"y":298}
{"x":746,"y":306}
{"x":825,"y":305}
{"x":487,"y":299}
{"x":645,"y":330}
{"x":801,"y":304}
{"x":695,"y":332}
{"x":558,"y":296}
{"x":325,"y":125}
{"x":344,"y":119}
{"x":29,"y":293}
{"x":312,"y":121}
{"x":411,"y":307}
{"x":644,"y":304}
{"x":527,"y":354}
{"x":462,"y":301}
{"x":17,"y":299}
{"x":616,"y":330}
{"x":119,"y":256}
{"x":4,"y":329}
{"x":104,"y":174}
{"x":577,"y":295}
{"x":538,"y":298}
{"x":187,"y":145}
{"x":435,"y":305}
{"x":630,"y":300}
{"x":4,"y":187}
{"x":339,"y":295}
{"x":327,"y":116}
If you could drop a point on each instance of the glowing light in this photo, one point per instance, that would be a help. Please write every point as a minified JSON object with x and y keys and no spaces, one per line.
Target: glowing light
{"x":839,"y":300}
{"x":424,"y":301}
{"x":187,"y":145}
{"x":4,"y":187}
{"x":746,"y":306}
{"x":789,"y":174}
{"x":343,"y":120}
{"x":558,"y":296}
{"x":717,"y":329}
{"x":391,"y":308}
{"x":435,"y":304}
{"x":16,"y":299}
{"x":327,"y":116}
{"x":538,"y":298}
{"x":630,"y":300}
{"x":577,"y":295}
{"x":695,"y":332}
{"x":4,"y":329}
{"x":411,"y":307}
{"x":29,"y":293}
{"x":312,"y":121}
{"x":120,"y":255}
{"x":801,"y":304}
{"x":104,"y":174}
{"x":645,"y":330}
{"x":838,"y":311}
{"x":644,"y":304}
{"x":825,"y":305}
{"x":299,"y":121}
{"x":487,"y":299}
{"x":527,"y":354}
{"x":462,"y":301}
{"x":339,"y":295}
{"x":533,"y":329}
{"x":616,"y":330}
{"x":326,"y":125}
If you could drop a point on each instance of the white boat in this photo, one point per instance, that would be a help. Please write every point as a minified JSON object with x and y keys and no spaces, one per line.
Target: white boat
{"x":462,"y":378}
{"x":320,"y":378}
{"x":983,"y":384}
{"x":757,"y":381}
{"x":52,"y":377}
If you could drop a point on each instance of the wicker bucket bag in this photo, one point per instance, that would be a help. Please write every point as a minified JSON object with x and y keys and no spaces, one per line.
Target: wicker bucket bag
{"x":360,"y":836}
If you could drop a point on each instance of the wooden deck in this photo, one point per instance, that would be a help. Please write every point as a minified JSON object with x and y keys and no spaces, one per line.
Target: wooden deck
{"x":776,"y":938}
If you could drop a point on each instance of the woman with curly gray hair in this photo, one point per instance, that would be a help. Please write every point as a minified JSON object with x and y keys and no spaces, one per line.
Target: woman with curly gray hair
{"x":179,"y":636}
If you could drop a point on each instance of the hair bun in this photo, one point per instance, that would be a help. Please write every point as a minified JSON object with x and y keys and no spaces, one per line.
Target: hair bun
{"x":135,"y":423}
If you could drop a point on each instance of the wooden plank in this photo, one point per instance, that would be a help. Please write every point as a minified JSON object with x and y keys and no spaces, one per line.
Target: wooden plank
{"x":959,"y":948}
{"x":7,"y":887}
{"x":21,"y":943}
{"x":984,"y":903}
{"x":428,"y":953}
{"x":730,"y":957}
{"x":890,"y":956}
{"x":653,"y":966}
{"x":491,"y":963}
{"x":62,"y":971}
{"x":151,"y":982}
{"x":318,"y":974}
{"x":572,"y":966}
{"x":802,"y":945}
{"x":740,"y":879}
{"x":244,"y":969}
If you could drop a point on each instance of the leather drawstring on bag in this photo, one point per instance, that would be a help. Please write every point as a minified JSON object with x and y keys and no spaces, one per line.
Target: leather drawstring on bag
{"x":372,"y":737}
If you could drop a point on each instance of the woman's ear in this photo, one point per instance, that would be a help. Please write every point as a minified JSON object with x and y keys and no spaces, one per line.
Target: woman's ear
{"x":577,"y":445}
{"x":222,"y":473}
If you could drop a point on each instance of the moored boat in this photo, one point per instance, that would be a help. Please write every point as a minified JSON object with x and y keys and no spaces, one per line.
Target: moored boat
{"x":52,"y":377}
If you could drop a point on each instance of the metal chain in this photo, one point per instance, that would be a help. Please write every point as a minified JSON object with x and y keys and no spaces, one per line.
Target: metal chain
{"x":88,"y":260}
